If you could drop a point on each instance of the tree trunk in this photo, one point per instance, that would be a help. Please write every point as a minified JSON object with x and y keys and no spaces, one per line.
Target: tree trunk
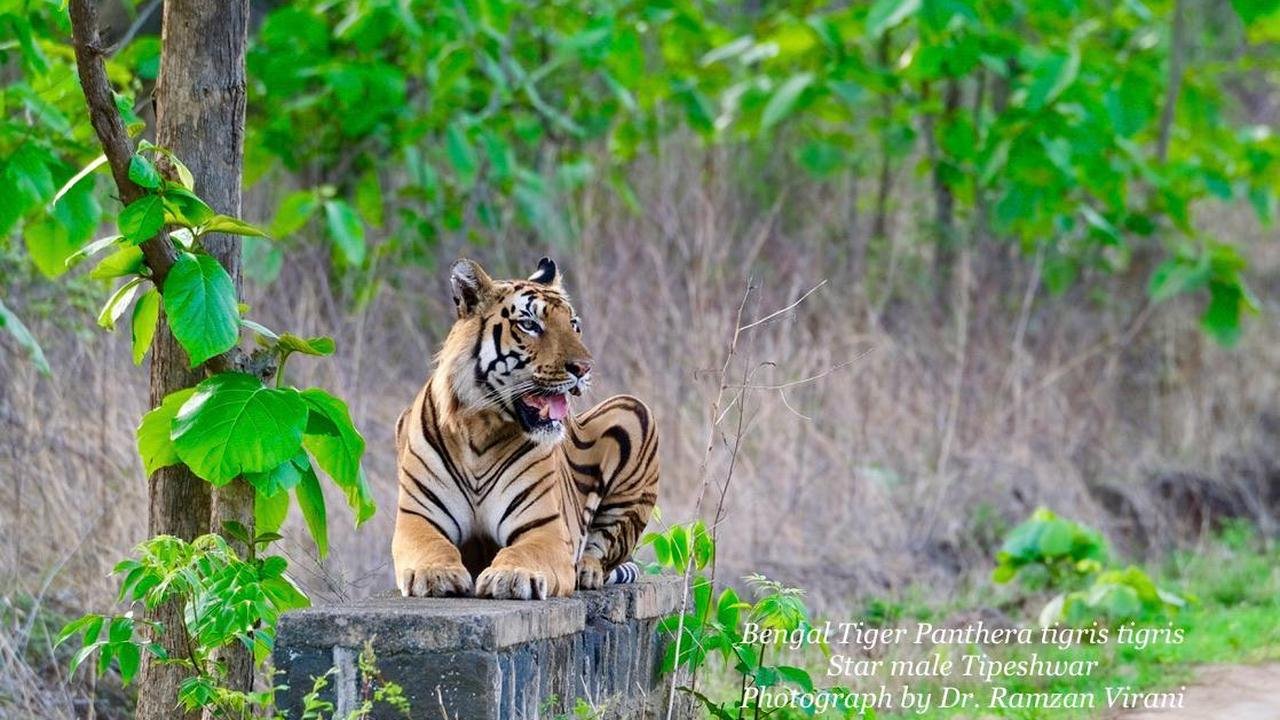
{"x":945,"y":240}
{"x":200,"y":99}
{"x":1146,"y":358}
{"x":880,"y":220}
{"x":1177,"y":56}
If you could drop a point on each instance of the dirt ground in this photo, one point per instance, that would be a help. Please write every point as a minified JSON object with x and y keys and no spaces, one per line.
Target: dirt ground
{"x":1225,"y":692}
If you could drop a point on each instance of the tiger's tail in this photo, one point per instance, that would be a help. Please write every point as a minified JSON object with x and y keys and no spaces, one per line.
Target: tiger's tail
{"x":625,"y":573}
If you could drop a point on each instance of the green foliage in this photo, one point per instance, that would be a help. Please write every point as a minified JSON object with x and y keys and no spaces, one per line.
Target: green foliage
{"x":231,"y":425}
{"x":1050,"y":552}
{"x":714,"y":627}
{"x":1115,"y":596}
{"x":1051,"y":141}
{"x":374,"y":691}
{"x":234,"y":425}
{"x":425,"y":120}
{"x":461,"y":98}
{"x":226,"y":600}
{"x":19,"y":332}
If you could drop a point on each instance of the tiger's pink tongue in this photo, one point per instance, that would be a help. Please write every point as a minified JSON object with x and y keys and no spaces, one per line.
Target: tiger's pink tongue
{"x":557,"y":407}
{"x":554,"y":407}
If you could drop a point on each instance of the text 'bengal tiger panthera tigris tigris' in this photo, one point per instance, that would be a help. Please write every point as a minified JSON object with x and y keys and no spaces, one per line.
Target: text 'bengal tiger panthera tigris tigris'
{"x":502,"y":487}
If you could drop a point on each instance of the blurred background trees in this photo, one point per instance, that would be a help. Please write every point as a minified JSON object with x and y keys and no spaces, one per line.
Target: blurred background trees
{"x":1078,"y":136}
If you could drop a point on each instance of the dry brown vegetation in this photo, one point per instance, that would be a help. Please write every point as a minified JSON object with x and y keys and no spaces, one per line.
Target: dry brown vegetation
{"x":886,"y":442}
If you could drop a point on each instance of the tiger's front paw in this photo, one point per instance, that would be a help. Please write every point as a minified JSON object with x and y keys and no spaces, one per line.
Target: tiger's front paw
{"x":590,"y":573}
{"x":512,"y":583}
{"x":446,"y":581}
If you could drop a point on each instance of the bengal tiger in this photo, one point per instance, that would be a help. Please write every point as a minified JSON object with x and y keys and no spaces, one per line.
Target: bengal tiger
{"x":503,"y":488}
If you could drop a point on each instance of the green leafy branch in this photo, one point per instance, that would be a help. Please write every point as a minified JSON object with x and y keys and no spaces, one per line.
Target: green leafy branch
{"x":714,"y":626}
{"x":226,"y":599}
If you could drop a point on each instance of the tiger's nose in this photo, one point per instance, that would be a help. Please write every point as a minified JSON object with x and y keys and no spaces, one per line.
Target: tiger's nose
{"x":578,"y":368}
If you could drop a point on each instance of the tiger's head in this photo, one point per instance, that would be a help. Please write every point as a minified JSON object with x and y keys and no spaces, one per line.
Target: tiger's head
{"x":516,"y":348}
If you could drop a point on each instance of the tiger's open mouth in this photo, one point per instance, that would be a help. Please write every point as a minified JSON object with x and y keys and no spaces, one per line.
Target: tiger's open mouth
{"x":540,"y":411}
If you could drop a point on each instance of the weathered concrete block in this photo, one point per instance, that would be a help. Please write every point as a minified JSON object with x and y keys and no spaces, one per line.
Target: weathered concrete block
{"x":488,"y":659}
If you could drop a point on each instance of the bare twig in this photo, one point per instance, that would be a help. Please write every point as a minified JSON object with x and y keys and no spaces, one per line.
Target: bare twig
{"x":716,"y":416}
{"x":953,"y":404}
{"x":134,"y":27}
{"x":787,"y":385}
{"x":786,"y":309}
{"x":702,"y":491}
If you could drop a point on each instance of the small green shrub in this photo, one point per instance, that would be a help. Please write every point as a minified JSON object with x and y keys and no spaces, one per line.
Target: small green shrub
{"x":1047,"y":551}
{"x":714,"y":628}
{"x":1116,"y":596}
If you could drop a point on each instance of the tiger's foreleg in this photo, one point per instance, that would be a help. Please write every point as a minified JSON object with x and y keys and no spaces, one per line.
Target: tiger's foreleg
{"x":427,"y":563}
{"x":537,"y":565}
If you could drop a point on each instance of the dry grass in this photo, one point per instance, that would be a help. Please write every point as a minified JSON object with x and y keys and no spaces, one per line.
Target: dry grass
{"x":923,"y":436}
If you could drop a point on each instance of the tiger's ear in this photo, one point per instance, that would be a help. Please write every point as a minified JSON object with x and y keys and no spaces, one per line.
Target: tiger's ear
{"x":547,"y":273}
{"x":471,"y":285}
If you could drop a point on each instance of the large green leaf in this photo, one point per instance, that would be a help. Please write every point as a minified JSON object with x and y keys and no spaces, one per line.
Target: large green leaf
{"x":339,"y":452}
{"x":234,"y":425}
{"x":784,"y":100}
{"x":346,"y":230}
{"x":154,"y":443}
{"x":311,"y":501}
{"x":128,"y":260}
{"x":146,"y":314}
{"x":117,"y":304}
{"x":200,"y":304}
{"x":142,"y":219}
{"x":143,"y":172}
{"x":281,"y":478}
{"x":23,"y":336}
{"x":888,"y":14}
{"x":270,"y":511}
{"x":294,"y":211}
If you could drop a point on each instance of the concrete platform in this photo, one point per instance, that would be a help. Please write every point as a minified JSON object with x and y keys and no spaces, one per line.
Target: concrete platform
{"x":488,"y":659}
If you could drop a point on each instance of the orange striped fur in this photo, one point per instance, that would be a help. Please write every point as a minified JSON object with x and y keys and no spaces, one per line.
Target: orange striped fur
{"x":504,"y":491}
